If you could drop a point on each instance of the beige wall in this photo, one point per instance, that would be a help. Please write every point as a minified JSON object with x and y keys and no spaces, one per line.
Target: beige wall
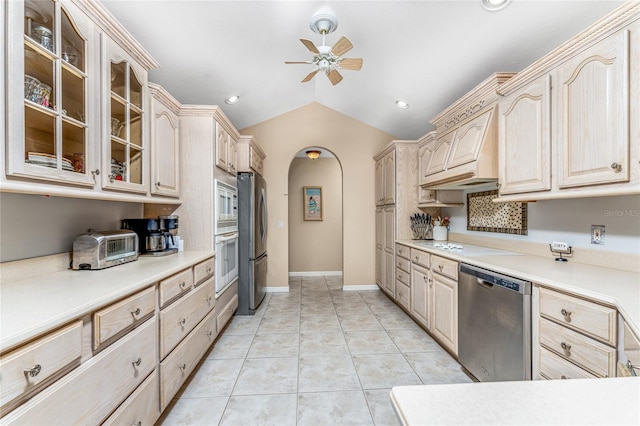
{"x":354,"y":144}
{"x":315,"y":245}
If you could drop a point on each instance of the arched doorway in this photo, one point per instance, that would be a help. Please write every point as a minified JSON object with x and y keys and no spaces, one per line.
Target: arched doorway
{"x":315,"y":218}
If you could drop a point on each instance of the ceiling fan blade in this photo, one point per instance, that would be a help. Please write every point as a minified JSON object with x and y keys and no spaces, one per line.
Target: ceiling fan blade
{"x":309,"y":45}
{"x":298,"y":62}
{"x":342,"y":46}
{"x":354,"y":64}
{"x":309,"y":76}
{"x":334,"y":77}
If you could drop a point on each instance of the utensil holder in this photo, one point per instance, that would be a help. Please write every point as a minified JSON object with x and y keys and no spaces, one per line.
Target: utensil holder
{"x":440,"y":233}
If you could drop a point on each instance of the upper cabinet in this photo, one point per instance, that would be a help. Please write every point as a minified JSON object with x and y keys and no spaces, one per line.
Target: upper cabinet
{"x":125,"y":158}
{"x":165,"y":147}
{"x":250,"y":155}
{"x":226,"y":147}
{"x":51,"y":74}
{"x":433,"y":197}
{"x":570,"y":123}
{"x":77,"y":102}
{"x":465,"y":150}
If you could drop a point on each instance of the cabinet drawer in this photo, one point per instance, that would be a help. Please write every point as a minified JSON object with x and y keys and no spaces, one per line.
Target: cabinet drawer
{"x":141,"y":408}
{"x":203,"y":271}
{"x":403,"y":251}
{"x":403,"y":276}
{"x":175,"y":286}
{"x":582,"y":350}
{"x":179,"y":318}
{"x":420,"y":257}
{"x":27,"y":369}
{"x":115,"y":319}
{"x":588,"y":317}
{"x":92,"y":391}
{"x":226,"y":313}
{"x":444,"y":266}
{"x":631,"y":348}
{"x":554,"y":367}
{"x":403,"y":264}
{"x":176,"y":367}
{"x":402,"y":294}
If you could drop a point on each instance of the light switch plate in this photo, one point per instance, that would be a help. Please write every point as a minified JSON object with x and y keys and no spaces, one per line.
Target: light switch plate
{"x":597,"y":234}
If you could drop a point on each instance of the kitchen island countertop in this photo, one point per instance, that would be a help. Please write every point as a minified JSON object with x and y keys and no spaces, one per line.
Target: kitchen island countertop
{"x":565,"y":402}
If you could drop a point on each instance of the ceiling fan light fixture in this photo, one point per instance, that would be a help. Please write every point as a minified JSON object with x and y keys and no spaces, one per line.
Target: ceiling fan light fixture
{"x":232,"y":100}
{"x":495,"y":5}
{"x":313,"y":154}
{"x":401,"y":104}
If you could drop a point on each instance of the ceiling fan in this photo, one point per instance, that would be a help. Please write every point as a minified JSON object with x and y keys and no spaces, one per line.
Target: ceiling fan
{"x":326,"y":58}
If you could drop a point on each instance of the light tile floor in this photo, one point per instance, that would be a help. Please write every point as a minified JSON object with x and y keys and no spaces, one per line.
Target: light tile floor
{"x":313,"y":356}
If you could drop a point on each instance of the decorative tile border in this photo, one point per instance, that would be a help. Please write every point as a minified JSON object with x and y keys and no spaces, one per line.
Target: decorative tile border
{"x":485,"y":215}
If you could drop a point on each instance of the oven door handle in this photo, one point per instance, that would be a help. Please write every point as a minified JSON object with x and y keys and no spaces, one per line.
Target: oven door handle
{"x":226,"y":237}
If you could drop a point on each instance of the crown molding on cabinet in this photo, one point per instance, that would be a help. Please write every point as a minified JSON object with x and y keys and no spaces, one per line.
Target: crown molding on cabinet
{"x":211,"y":110}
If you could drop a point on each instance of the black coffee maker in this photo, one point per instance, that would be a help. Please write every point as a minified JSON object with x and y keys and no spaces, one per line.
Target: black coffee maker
{"x":152,"y":238}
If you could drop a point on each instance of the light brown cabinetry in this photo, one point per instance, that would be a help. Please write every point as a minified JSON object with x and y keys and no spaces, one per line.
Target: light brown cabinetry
{"x":432,"y":197}
{"x":141,"y":408}
{"x":581,"y":333}
{"x":88,"y":394}
{"x":567,"y":122}
{"x":403,"y":276}
{"x":444,"y":325}
{"x":250,"y":155}
{"x":396,"y":200}
{"x":421,"y":287}
{"x":165,"y":142}
{"x":28,"y":369}
{"x":226,"y":149}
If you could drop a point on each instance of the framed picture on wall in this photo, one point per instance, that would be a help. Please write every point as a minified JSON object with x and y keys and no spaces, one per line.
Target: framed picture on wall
{"x":312,"y":198}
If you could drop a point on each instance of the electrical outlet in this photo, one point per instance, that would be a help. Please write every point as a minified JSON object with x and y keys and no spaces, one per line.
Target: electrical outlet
{"x":559,"y":246}
{"x":597,"y":234}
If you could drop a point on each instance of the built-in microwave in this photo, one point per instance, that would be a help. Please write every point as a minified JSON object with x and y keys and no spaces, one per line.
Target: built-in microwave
{"x":226,"y":208}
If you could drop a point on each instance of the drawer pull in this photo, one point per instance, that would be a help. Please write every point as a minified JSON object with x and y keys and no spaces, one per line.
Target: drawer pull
{"x":563,"y":377}
{"x":208,"y":299}
{"x":209,"y":333}
{"x":137,"y":362}
{"x":183,"y":321}
{"x":209,"y":270}
{"x":182,"y":367}
{"x":33,"y":371}
{"x":616,"y":167}
{"x":183,"y":284}
{"x":566,"y":347}
{"x":440,"y":267}
{"x":136,"y":312}
{"x":417,"y":258}
{"x":425,"y":279}
{"x":566,"y":314}
{"x":137,"y":424}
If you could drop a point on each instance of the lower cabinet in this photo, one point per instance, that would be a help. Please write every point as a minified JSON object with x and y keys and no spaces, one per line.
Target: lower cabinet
{"x":444,"y":325}
{"x":421,"y":287}
{"x":121,"y":364}
{"x":89,"y":393}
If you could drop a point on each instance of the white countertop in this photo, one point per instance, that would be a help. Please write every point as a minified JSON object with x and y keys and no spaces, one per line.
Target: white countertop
{"x":610,"y":286}
{"x":564,"y":402}
{"x":33,"y":306}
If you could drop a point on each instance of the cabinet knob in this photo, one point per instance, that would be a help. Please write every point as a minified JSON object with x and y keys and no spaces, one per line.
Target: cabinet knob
{"x":182,"y":366}
{"x":566,"y":347}
{"x":440,"y":267}
{"x":157,"y":183}
{"x":183,"y":321}
{"x":566,"y":314}
{"x":137,"y":362}
{"x":209,"y":333}
{"x":209,"y":269}
{"x":183,"y":284}
{"x":563,"y":377}
{"x":137,"y":424}
{"x":426,"y":279}
{"x":208,"y":299}
{"x":616,"y":167}
{"x":33,"y":371}
{"x":136,"y":312}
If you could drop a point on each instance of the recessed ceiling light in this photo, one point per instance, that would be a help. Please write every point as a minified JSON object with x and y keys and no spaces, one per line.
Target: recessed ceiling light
{"x":232,"y":99}
{"x":402,"y":104}
{"x":495,"y":5}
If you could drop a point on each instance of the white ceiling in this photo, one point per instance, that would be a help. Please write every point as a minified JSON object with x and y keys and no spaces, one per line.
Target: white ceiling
{"x":428,"y":52}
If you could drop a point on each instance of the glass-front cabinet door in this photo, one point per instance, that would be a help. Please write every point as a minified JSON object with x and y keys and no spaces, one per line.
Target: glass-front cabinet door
{"x":51,"y":121}
{"x":126,"y":149}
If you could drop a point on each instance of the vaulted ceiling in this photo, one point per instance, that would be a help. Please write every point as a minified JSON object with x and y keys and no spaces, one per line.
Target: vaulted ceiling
{"x":428,"y":52}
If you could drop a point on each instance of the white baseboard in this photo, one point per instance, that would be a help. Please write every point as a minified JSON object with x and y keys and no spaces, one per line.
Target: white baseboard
{"x":360,"y":287}
{"x":277,"y":289}
{"x":315,"y":274}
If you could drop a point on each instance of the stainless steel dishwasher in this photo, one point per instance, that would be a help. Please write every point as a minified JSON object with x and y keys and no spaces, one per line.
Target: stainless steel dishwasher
{"x":494,"y":325}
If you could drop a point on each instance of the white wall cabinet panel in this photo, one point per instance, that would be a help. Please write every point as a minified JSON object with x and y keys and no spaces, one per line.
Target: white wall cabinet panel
{"x":469,"y":136}
{"x":525,"y":139}
{"x":439,"y":153}
{"x":593,"y":111}
{"x":165,"y":143}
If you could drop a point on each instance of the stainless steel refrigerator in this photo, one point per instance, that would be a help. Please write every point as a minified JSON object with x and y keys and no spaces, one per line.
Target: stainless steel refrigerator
{"x":252,"y":247}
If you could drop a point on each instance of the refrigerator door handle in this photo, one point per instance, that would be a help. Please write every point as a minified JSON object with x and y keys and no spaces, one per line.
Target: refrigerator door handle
{"x":264,"y":217}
